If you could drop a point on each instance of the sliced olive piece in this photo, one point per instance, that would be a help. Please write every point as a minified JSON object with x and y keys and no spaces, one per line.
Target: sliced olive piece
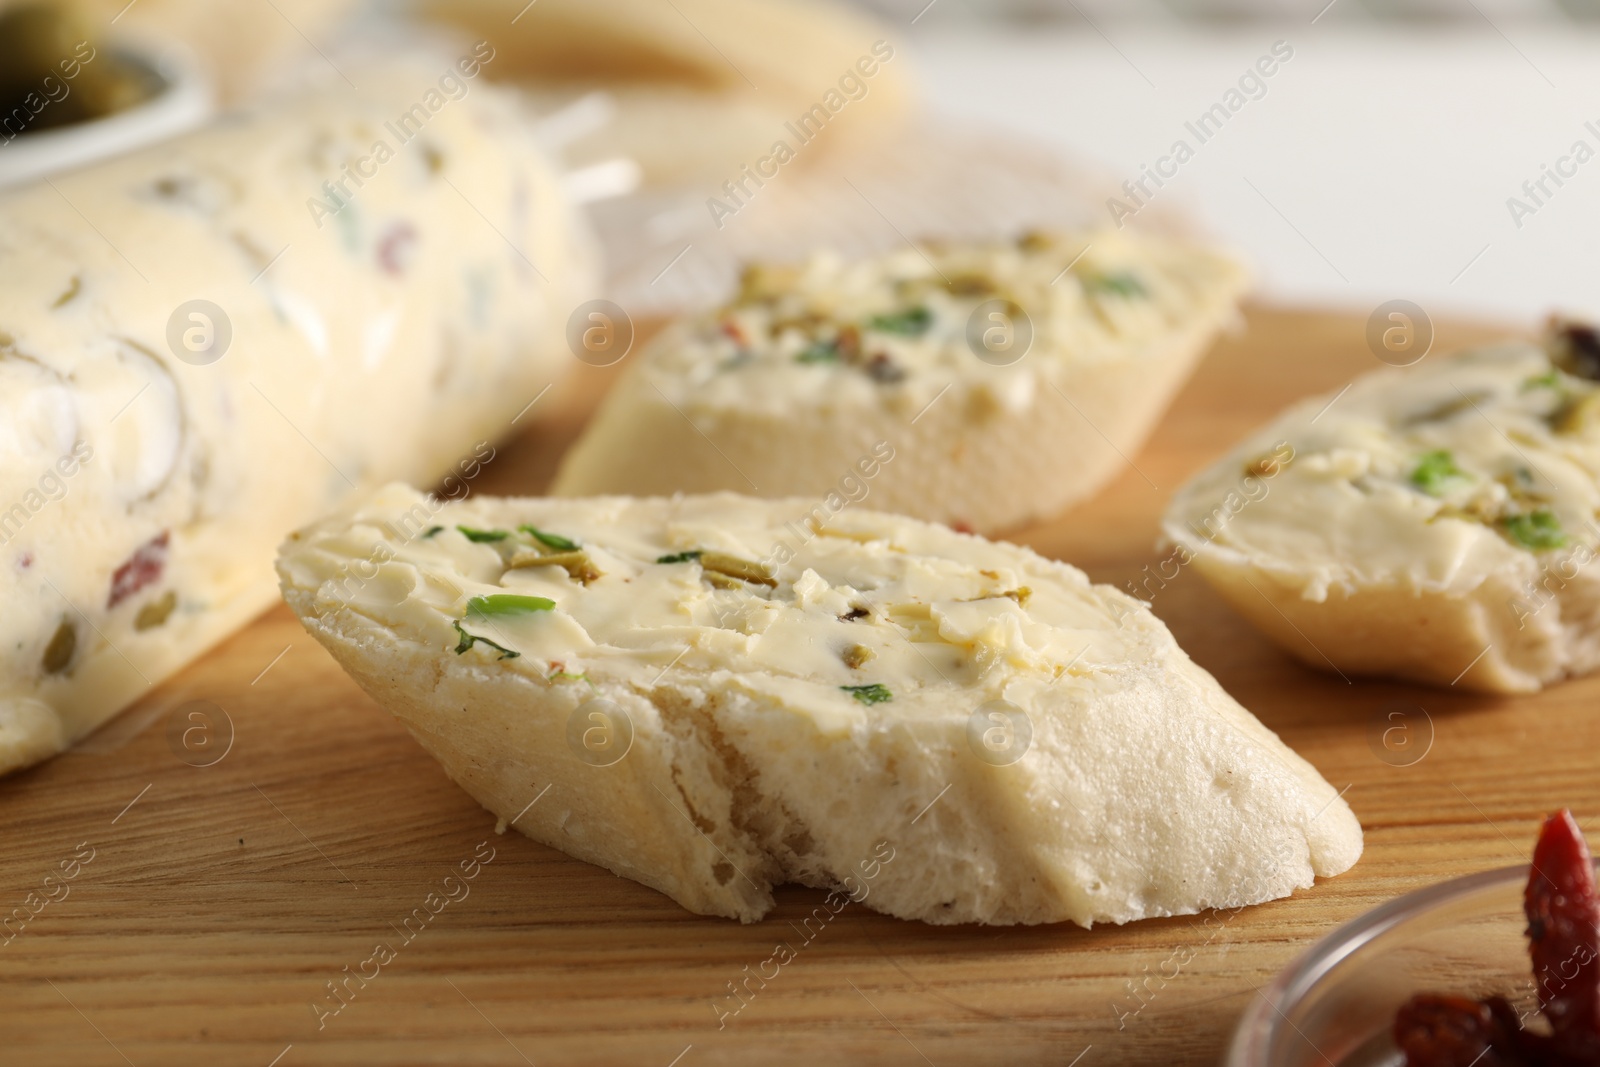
{"x":733,"y":567}
{"x":58,"y":653}
{"x":156,"y":612}
{"x":578,"y":564}
{"x":857,"y":655}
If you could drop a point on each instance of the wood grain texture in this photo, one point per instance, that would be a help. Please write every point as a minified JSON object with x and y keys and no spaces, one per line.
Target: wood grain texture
{"x":219,"y":903}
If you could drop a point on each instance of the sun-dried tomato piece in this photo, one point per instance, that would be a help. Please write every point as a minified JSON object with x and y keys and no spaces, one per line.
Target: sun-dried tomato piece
{"x":1564,"y":937}
{"x":142,"y":569}
{"x":1564,"y":940}
{"x":1444,"y":1031}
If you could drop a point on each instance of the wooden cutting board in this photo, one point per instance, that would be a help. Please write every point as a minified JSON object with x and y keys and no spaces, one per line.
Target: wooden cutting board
{"x":220,"y":900}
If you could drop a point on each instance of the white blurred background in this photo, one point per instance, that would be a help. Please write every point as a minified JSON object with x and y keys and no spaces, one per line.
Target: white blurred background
{"x":1377,"y":165}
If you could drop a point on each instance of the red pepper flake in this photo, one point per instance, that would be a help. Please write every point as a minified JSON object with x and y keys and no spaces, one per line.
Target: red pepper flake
{"x":394,"y":249}
{"x":143,"y":568}
{"x":1563,"y":913}
{"x":731,"y":330}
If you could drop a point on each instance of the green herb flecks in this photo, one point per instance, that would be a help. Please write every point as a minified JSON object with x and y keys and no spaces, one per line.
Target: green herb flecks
{"x":429,"y":533}
{"x":1549,"y":380}
{"x":680,"y":557}
{"x":1436,"y":473}
{"x":912,"y":322}
{"x":468,"y":640}
{"x":869,"y":694}
{"x":508,"y":604}
{"x":1120,"y":284}
{"x":1537,"y":530}
{"x":555,"y":541}
{"x":479,"y":537}
{"x":819,"y":352}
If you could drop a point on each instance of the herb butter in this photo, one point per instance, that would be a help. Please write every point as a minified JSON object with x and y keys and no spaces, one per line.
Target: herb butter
{"x":789,"y":702}
{"x":1010,"y":377}
{"x":1435,"y":522}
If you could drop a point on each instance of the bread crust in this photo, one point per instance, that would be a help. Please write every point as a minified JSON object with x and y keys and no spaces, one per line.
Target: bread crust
{"x":1146,"y":791}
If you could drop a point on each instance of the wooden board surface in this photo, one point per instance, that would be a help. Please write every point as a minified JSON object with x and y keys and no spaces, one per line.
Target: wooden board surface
{"x":221,"y":899}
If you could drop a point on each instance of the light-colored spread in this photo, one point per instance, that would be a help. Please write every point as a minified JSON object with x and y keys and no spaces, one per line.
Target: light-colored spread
{"x":193,"y":361}
{"x":1431,"y":477}
{"x":869,"y":616}
{"x":832,"y":331}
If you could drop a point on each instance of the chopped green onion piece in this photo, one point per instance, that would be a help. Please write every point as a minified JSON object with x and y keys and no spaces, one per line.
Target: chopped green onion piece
{"x":482,"y":536}
{"x":1437,"y":473}
{"x":1549,"y":380}
{"x":913,"y":322}
{"x":428,"y":534}
{"x":869,"y":694}
{"x":1536,"y":530}
{"x":820,"y":352}
{"x":468,"y":640}
{"x":1122,"y":284}
{"x":553,"y":540}
{"x":680,"y":557}
{"x":508,"y":604}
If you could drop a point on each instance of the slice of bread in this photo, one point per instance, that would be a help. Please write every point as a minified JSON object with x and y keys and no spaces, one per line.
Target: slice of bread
{"x":712,"y":697}
{"x":704,"y":90}
{"x":1009,"y":379}
{"x":1434,"y":523}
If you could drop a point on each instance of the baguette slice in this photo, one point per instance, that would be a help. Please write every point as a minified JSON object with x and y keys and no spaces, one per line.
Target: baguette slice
{"x":712,"y":699}
{"x":778,"y":392}
{"x":1434,"y":523}
{"x":703,"y":89}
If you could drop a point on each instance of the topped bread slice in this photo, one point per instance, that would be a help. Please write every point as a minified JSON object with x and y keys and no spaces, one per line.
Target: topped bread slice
{"x":714,"y":695}
{"x":1010,"y":378}
{"x":1435,"y":523}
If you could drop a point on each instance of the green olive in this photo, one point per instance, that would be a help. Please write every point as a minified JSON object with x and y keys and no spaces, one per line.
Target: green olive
{"x":63,"y":644}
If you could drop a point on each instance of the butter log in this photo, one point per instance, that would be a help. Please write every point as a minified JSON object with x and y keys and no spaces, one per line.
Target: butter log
{"x":208,"y":343}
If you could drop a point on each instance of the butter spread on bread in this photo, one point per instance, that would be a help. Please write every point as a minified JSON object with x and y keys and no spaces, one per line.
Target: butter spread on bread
{"x":1035,"y":748}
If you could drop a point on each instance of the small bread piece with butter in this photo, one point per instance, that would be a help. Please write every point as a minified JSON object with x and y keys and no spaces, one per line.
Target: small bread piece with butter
{"x":711,"y":696}
{"x":1434,"y":523}
{"x":1012,"y":378}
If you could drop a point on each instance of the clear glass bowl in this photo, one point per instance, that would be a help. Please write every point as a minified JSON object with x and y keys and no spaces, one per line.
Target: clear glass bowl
{"x":1335,"y":1004}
